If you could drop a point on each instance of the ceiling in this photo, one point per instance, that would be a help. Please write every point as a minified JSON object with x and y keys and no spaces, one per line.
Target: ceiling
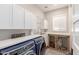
{"x":49,"y":7}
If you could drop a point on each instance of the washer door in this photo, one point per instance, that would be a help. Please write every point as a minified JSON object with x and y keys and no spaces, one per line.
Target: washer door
{"x":31,"y":52}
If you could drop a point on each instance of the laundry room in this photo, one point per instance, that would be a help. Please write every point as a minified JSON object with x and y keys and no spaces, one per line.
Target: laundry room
{"x":39,"y":29}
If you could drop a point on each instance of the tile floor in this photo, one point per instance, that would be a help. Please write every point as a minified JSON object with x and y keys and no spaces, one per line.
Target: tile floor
{"x":51,"y":51}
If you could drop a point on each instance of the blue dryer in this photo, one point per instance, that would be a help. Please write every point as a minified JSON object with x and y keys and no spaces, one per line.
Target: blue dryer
{"x":39,"y":43}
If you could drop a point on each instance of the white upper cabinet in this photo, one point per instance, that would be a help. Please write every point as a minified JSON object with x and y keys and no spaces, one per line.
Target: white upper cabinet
{"x":5,"y":16}
{"x":18,"y":17}
{"x":30,"y":20}
{"x":34,"y":22}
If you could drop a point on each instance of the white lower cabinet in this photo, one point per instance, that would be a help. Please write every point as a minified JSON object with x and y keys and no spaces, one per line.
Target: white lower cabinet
{"x":5,"y":16}
{"x":18,"y":17}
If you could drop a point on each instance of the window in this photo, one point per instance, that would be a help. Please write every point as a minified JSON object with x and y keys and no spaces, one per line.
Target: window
{"x":59,"y":22}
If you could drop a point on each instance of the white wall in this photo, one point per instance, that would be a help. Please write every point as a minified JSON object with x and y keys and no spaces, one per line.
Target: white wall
{"x":50,"y":14}
{"x":76,"y":10}
{"x":6,"y":33}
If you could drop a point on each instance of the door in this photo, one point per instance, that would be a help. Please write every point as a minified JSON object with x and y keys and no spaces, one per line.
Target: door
{"x":75,"y":44}
{"x":5,"y":16}
{"x":76,"y":37}
{"x":18,"y":17}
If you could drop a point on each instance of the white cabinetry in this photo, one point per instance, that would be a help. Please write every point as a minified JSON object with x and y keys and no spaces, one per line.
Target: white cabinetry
{"x":30,"y":20}
{"x":18,"y":17}
{"x":5,"y":16}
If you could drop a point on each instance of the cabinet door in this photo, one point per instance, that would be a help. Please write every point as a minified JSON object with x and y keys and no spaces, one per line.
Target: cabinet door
{"x":29,"y":20}
{"x":5,"y":16}
{"x":34,"y":22}
{"x":18,"y":17}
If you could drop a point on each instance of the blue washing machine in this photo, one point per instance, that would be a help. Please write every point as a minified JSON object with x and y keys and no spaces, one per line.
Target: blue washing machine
{"x":39,"y":42}
{"x":23,"y":48}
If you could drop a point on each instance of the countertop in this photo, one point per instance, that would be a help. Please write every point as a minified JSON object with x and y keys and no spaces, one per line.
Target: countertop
{"x":10,"y":42}
{"x":59,"y":33}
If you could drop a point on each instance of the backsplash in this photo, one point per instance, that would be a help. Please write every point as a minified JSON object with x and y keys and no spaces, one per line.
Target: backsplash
{"x":17,"y":35}
{"x":6,"y":33}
